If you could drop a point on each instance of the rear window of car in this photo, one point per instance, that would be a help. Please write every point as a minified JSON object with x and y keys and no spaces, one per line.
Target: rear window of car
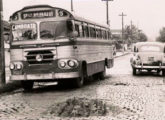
{"x":148,"y":48}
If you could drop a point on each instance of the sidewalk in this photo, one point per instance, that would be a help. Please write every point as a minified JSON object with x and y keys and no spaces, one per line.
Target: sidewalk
{"x":10,"y":86}
{"x":118,"y":54}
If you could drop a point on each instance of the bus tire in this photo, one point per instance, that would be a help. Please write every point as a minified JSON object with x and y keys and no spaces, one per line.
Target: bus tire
{"x":27,"y":85}
{"x":134,"y":71}
{"x":102,"y":75}
{"x":78,"y":82}
{"x":163,"y":72}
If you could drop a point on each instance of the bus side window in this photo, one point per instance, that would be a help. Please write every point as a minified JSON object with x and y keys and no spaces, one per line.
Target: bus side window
{"x":77,"y":29}
{"x":103,"y":33}
{"x":98,"y":33}
{"x":109,"y":35}
{"x":81,"y":30}
{"x":86,"y":30}
{"x":93,"y":32}
{"x":106,"y":35}
{"x":84,"y":34}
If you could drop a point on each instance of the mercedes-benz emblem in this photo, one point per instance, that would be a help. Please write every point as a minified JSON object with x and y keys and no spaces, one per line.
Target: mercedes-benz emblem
{"x":39,"y":57}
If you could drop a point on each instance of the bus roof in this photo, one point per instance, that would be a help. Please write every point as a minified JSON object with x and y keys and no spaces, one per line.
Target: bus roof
{"x":72,"y":15}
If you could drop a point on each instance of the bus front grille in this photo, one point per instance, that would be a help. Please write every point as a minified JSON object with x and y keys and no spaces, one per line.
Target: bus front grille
{"x":40,"y":57}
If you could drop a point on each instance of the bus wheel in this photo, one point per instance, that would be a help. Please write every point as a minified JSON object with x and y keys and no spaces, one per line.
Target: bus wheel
{"x":134,"y":71}
{"x":27,"y":85}
{"x":78,"y":82}
{"x":163,"y":72}
{"x":102,"y":75}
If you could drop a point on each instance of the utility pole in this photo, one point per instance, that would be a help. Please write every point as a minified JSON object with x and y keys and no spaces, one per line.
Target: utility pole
{"x":107,"y":11}
{"x":2,"y":58}
{"x":122,"y":35}
{"x":131,"y":33}
{"x":72,"y":5}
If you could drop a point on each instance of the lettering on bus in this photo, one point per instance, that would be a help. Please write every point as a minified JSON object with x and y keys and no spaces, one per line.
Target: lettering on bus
{"x":24,"y":26}
{"x":38,"y":14}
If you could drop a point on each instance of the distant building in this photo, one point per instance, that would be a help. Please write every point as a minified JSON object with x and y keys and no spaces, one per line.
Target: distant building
{"x":116,"y":33}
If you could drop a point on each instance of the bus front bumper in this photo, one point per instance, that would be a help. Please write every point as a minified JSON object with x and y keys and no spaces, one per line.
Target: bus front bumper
{"x":48,"y":76}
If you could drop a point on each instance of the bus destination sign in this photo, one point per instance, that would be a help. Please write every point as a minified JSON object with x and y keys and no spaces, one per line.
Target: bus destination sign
{"x":38,"y":14}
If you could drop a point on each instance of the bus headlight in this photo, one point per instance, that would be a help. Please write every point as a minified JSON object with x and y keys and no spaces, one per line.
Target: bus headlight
{"x":71,"y":63}
{"x":16,"y":66}
{"x":68,"y":63}
{"x":62,"y":64}
{"x":19,"y":66}
{"x":12,"y":66}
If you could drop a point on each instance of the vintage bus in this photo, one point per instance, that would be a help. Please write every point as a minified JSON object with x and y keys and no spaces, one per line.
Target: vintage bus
{"x":53,"y":44}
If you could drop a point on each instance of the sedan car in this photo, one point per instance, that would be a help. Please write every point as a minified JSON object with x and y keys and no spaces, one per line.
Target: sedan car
{"x":148,"y":56}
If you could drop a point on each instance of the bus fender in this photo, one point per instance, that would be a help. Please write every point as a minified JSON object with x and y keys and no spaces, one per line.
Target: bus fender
{"x":83,"y":68}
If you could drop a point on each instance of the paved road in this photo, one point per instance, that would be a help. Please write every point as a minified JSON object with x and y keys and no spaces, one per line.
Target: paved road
{"x":140,"y":97}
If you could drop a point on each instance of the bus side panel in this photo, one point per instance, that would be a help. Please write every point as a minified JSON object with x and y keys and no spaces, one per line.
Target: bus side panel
{"x":94,"y":53}
{"x":95,"y":56}
{"x":96,"y":67}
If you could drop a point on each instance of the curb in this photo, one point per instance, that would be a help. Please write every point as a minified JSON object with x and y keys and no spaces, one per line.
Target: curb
{"x":10,"y":87}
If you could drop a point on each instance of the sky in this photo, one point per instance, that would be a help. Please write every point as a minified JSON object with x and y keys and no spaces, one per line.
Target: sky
{"x":147,"y":15}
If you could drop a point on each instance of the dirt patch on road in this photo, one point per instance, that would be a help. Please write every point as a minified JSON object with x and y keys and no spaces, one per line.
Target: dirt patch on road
{"x":80,"y":107}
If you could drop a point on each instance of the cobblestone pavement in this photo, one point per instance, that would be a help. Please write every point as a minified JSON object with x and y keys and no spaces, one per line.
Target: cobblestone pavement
{"x":140,"y":97}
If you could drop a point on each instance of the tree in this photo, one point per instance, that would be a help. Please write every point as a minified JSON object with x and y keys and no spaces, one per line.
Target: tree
{"x":161,"y":37}
{"x":142,"y":37}
{"x":132,"y":35}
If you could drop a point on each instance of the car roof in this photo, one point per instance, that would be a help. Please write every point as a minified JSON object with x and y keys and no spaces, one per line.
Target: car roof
{"x":149,"y":43}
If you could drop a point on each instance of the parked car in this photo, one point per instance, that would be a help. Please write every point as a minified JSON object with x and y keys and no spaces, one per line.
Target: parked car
{"x":148,"y":56}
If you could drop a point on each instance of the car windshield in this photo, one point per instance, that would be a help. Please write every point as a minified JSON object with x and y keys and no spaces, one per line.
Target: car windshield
{"x":26,"y":31}
{"x":150,"y":49}
{"x":53,"y":30}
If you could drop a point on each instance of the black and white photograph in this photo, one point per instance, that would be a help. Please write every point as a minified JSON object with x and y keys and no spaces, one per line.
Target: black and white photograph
{"x":82,"y":60}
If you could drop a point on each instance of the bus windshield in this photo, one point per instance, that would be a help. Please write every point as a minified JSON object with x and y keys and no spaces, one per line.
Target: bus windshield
{"x":27,"y":31}
{"x":53,"y":30}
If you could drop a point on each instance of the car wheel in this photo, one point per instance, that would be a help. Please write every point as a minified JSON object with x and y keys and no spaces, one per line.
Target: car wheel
{"x":27,"y":85}
{"x":163,"y":72}
{"x":134,"y":71}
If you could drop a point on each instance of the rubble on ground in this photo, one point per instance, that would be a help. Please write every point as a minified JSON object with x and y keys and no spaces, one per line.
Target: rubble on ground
{"x":79,"y":107}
